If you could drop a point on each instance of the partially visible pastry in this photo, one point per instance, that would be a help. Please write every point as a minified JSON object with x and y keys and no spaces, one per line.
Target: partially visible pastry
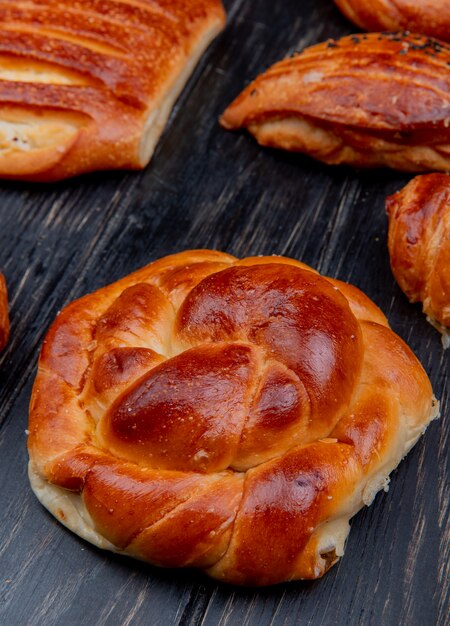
{"x":419,"y":245}
{"x":381,"y":99}
{"x":430,"y":17}
{"x":89,"y":85}
{"x":4,"y":317}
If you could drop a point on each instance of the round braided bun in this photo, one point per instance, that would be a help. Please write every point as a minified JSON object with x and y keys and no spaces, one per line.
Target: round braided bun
{"x":225,"y":414}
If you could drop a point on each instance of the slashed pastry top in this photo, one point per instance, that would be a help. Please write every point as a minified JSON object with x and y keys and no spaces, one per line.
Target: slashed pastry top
{"x":419,"y":245}
{"x":89,"y":84}
{"x":4,"y":316}
{"x":430,"y":17}
{"x":379,"y":99}
{"x":225,"y":414}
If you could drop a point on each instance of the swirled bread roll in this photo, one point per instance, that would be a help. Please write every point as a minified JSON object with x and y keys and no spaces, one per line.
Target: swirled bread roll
{"x":419,"y":246}
{"x":89,"y":84}
{"x":367,"y":100}
{"x":4,"y":317}
{"x":430,"y":17}
{"x":225,"y":414}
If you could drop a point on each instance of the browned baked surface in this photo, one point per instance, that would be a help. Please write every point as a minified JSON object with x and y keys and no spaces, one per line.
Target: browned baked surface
{"x":430,"y":17}
{"x":419,"y":243}
{"x":89,"y":84}
{"x":225,"y":414}
{"x":4,"y":317}
{"x":366,"y":100}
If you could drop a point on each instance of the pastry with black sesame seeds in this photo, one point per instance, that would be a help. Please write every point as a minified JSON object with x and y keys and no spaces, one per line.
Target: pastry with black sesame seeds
{"x":371,"y":100}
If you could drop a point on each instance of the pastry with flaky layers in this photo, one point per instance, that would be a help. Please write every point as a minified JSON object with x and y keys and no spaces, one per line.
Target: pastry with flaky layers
{"x":225,"y":414}
{"x":89,"y":84}
{"x":419,"y":246}
{"x":381,"y":99}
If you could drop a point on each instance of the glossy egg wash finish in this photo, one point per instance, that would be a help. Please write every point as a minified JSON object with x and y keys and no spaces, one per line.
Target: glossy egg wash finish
{"x":225,"y":414}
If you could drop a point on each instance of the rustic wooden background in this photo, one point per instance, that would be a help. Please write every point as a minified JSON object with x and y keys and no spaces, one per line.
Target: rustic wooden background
{"x":210,"y":188}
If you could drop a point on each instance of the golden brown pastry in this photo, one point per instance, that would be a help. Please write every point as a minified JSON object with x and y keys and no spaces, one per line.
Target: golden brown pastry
{"x":89,"y":84}
{"x":366,"y":100}
{"x":419,"y":245}
{"x":430,"y":17}
{"x":222,"y":414}
{"x":4,"y":317}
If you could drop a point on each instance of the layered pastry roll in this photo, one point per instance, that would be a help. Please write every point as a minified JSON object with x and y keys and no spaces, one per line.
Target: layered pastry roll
{"x":365,"y":100}
{"x":89,"y":85}
{"x":419,"y":246}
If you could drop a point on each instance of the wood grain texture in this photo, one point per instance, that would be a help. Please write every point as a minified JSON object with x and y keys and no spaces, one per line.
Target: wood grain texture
{"x":210,"y":188}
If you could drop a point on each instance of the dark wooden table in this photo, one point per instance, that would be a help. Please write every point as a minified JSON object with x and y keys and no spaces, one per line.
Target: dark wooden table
{"x":214,"y":189}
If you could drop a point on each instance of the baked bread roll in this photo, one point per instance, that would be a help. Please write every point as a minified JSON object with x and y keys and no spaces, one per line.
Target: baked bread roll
{"x":222,"y":414}
{"x":4,"y":317}
{"x":419,"y":246}
{"x":430,"y":17}
{"x":89,"y":85}
{"x":365,"y":100}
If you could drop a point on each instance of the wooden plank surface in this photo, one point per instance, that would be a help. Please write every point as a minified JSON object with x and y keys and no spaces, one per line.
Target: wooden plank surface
{"x":209,"y":188}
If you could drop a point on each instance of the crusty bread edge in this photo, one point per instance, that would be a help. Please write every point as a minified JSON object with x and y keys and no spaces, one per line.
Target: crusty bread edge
{"x":135,"y":137}
{"x":157,"y":120}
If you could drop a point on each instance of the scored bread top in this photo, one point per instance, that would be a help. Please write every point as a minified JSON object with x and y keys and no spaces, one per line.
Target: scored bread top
{"x":225,"y":414}
{"x":89,"y":84}
{"x":367,"y":99}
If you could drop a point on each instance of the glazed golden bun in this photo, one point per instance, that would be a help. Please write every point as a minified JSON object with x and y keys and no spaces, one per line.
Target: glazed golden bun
{"x":225,"y":414}
{"x":89,"y":85}
{"x":365,"y":100}
{"x":430,"y":17}
{"x":419,"y":245}
{"x":4,"y":317}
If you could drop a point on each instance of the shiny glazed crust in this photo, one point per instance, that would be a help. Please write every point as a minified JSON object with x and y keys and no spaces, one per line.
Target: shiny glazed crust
{"x":419,"y":245}
{"x":4,"y":317}
{"x":430,"y":17}
{"x":225,"y":414}
{"x":89,"y":84}
{"x":366,"y":100}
